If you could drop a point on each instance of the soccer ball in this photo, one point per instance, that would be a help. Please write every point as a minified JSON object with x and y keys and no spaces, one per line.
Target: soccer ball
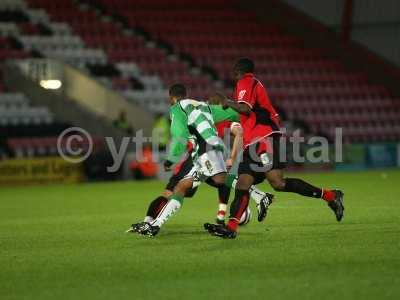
{"x":245,"y":218}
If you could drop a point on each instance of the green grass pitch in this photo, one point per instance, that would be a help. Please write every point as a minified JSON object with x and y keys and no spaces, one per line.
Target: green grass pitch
{"x":68,"y":242}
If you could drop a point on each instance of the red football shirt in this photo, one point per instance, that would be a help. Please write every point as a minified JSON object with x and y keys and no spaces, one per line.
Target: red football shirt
{"x":263,"y":119}
{"x":222,"y":126}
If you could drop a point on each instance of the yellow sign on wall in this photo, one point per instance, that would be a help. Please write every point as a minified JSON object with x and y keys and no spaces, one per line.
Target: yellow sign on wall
{"x":39,"y":170}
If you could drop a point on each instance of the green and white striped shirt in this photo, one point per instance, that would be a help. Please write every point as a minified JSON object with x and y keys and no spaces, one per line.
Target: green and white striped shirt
{"x":192,"y":118}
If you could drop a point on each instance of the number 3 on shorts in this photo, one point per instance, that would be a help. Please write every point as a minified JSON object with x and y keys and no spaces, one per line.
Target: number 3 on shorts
{"x":209,"y":166}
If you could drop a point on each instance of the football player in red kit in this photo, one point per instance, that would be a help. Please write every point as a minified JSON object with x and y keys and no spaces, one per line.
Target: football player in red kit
{"x":261,"y":154}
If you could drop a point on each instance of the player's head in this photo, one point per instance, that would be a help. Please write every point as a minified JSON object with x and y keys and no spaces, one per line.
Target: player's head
{"x":177,"y":92}
{"x":242,"y":66}
{"x":215,"y":99}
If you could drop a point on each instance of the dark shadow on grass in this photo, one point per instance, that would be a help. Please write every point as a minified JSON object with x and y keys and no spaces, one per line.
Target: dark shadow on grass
{"x":182,"y":233}
{"x":194,"y":233}
{"x":199,"y":232}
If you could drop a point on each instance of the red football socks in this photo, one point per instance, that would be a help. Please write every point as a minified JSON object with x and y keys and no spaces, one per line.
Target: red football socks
{"x":233,"y":224}
{"x":238,"y":206}
{"x":328,"y":195}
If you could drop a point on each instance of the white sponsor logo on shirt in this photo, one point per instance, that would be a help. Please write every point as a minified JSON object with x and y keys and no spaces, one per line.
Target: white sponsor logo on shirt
{"x":241,"y":94}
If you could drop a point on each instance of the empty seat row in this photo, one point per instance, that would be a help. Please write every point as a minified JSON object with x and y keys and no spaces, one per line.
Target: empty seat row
{"x":17,"y":99}
{"x":128,"y":68}
{"x":32,"y":115}
{"x":37,"y":15}
{"x":7,"y":29}
{"x":12,"y":4}
{"x":63,"y":42}
{"x":44,"y":146}
{"x":78,"y":56}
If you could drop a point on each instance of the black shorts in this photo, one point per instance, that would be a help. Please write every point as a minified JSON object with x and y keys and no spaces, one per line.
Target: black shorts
{"x":184,"y":168}
{"x":257,"y":160}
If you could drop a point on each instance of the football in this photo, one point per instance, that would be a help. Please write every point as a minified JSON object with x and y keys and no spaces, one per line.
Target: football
{"x":246,"y":217}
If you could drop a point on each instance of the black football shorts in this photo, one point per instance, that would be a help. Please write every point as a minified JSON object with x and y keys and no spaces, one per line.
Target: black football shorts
{"x":181,"y":170}
{"x":259,"y":159}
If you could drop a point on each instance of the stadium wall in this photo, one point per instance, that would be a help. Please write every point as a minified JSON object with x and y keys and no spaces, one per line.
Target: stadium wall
{"x":375,"y":24}
{"x":105,"y":102}
{"x":40,"y":170}
{"x":65,"y":109}
{"x":328,"y":12}
{"x":370,"y":156}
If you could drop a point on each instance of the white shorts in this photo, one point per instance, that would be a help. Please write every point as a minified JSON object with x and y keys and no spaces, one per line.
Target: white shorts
{"x":207,"y":165}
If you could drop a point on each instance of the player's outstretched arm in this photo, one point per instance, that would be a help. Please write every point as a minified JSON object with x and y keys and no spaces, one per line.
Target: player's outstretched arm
{"x":220,"y":114}
{"x":241,"y":108}
{"x":237,"y":132}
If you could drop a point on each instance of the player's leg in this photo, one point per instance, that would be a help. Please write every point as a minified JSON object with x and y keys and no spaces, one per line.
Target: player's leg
{"x":241,"y":200}
{"x":223,"y":194}
{"x":261,"y":199}
{"x":237,"y":208}
{"x":157,"y":205}
{"x":171,"y":208}
{"x":175,"y":202}
{"x":223,"y":199}
{"x":190,"y":181}
{"x":334,"y":198}
{"x":213,"y":168}
{"x":276,"y":179}
{"x":246,"y":179}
